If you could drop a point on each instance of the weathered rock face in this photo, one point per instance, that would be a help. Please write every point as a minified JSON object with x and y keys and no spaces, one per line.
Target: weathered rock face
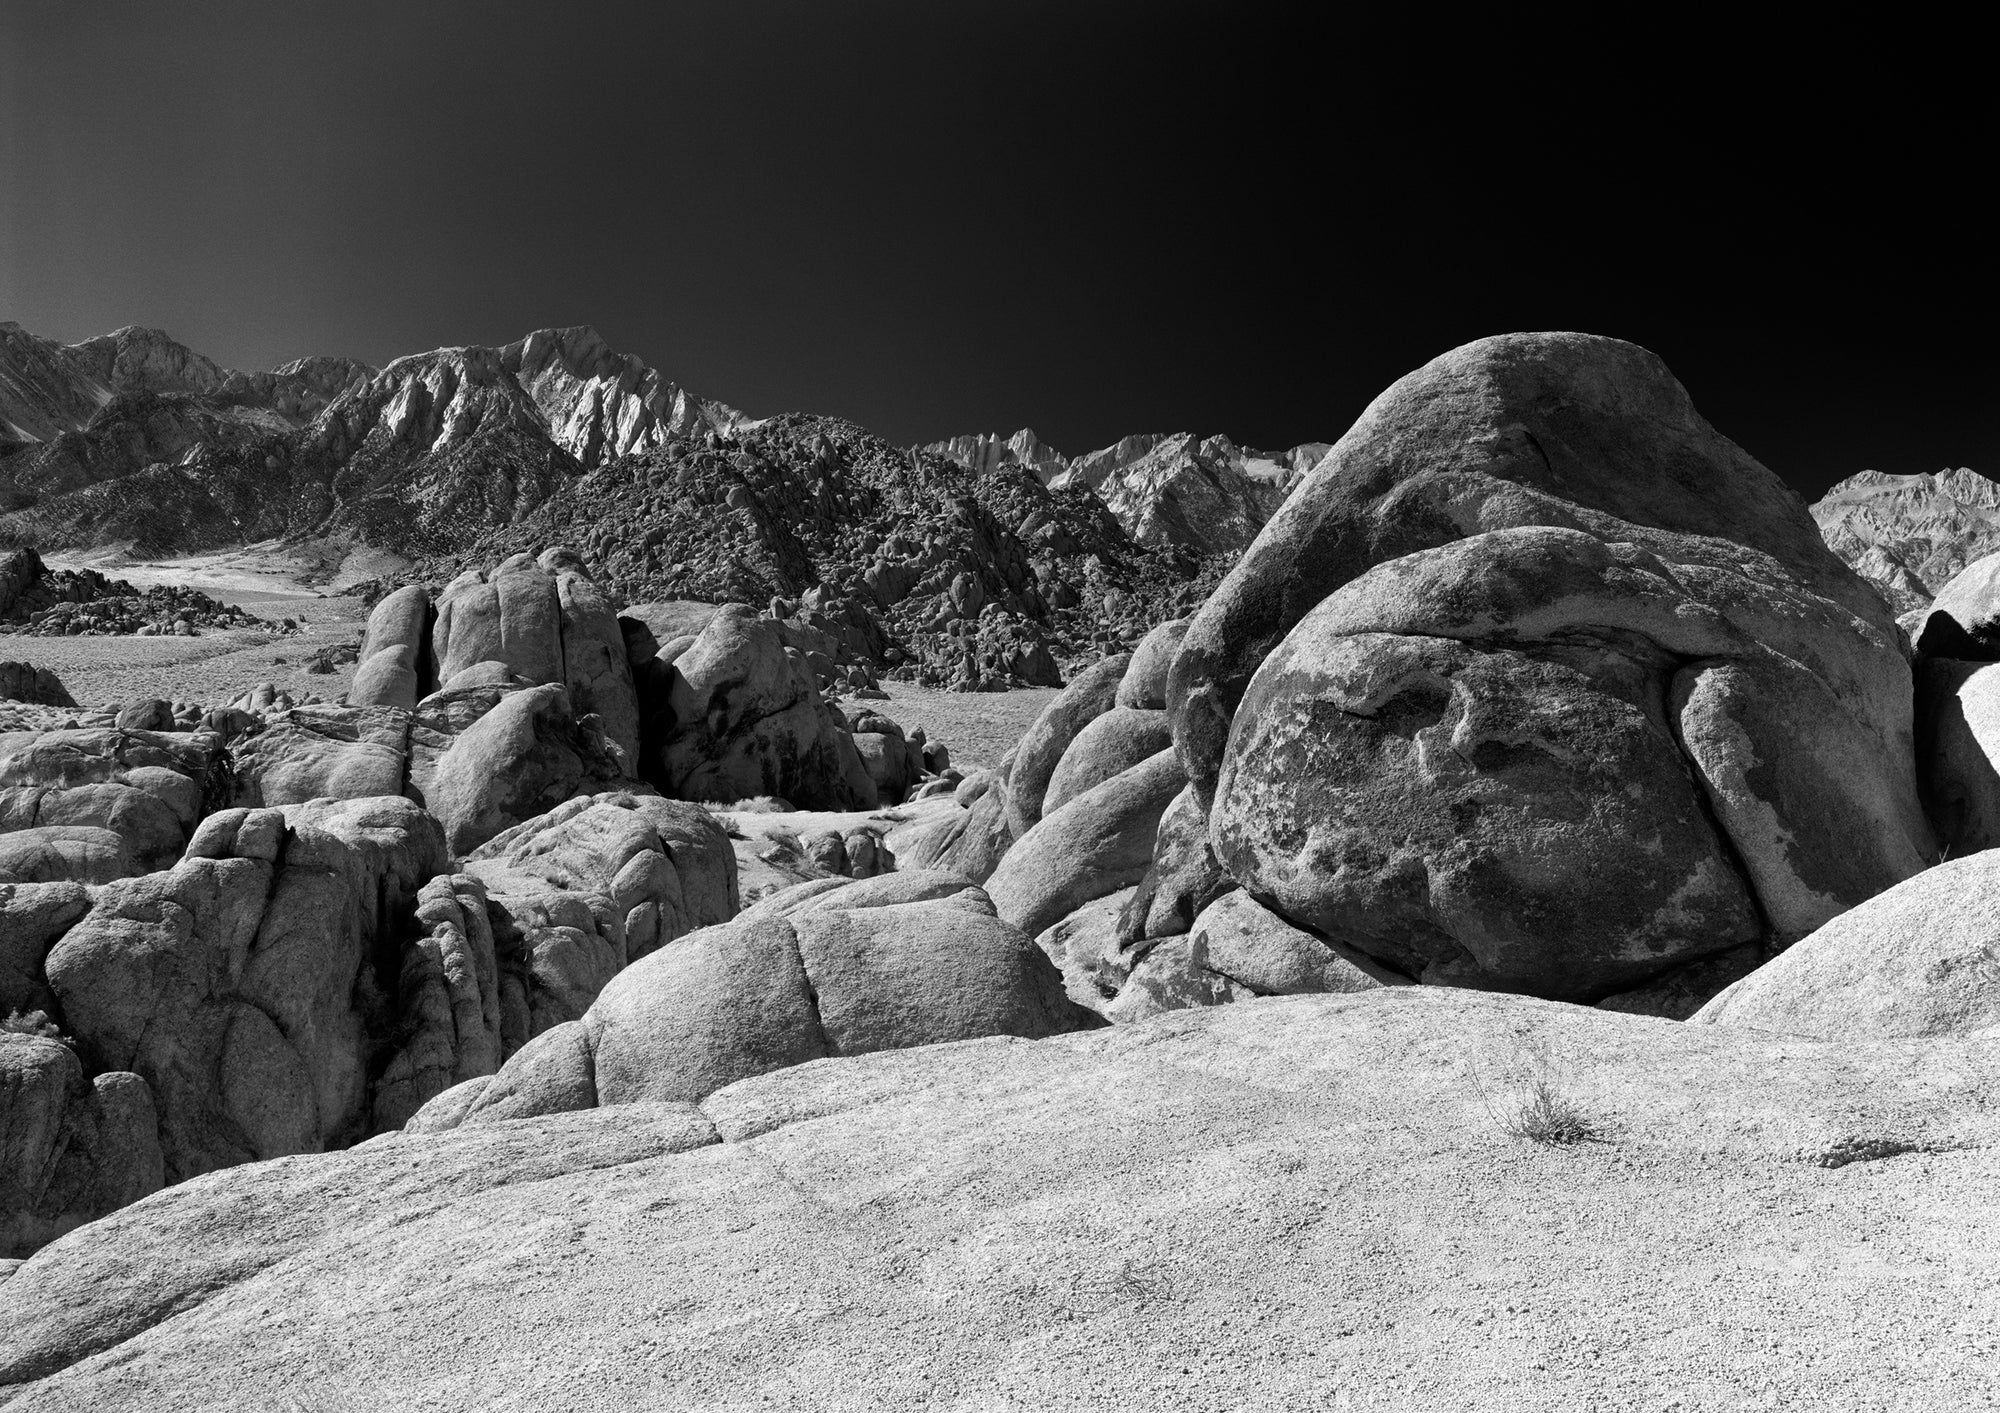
{"x":324,"y":751}
{"x":1110,"y":745}
{"x":1043,"y":1192}
{"x":520,"y":759}
{"x":24,"y":682}
{"x":576,"y":894}
{"x":748,"y":720}
{"x":1534,"y":760}
{"x":79,"y":853}
{"x":1523,"y":429}
{"x":244,"y":984}
{"x":1088,"y":696}
{"x":71,"y":1149}
{"x":150,"y":788}
{"x":850,"y":969}
{"x":1909,"y":535}
{"x":1099,"y":842}
{"x":396,"y":667}
{"x":1921,"y":959}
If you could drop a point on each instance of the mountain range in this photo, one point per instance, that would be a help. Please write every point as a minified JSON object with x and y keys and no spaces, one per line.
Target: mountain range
{"x":963,"y":555}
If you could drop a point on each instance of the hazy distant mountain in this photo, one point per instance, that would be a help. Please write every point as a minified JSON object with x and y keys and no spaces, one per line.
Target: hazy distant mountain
{"x":1206,"y":495}
{"x":1908,"y":535}
{"x":421,"y":455}
{"x":977,"y":565}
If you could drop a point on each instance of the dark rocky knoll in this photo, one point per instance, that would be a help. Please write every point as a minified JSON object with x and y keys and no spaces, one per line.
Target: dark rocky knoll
{"x":976,"y":576}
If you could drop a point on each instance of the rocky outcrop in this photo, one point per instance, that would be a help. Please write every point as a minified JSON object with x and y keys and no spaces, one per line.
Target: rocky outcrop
{"x":853,"y":968}
{"x":520,"y":759}
{"x":71,"y":1149}
{"x":748,"y":719}
{"x":1920,"y":959}
{"x":150,"y":788}
{"x":24,"y":682}
{"x":578,"y":893}
{"x":1556,"y":429}
{"x":984,"y":1198}
{"x":1095,"y":844}
{"x":245,"y":985}
{"x":320,"y":752}
{"x":1434,"y":769}
{"x":1908,"y":535}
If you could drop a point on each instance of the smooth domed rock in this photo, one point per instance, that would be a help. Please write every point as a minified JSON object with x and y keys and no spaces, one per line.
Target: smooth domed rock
{"x":1286,"y":1156}
{"x":1496,"y":764}
{"x":895,"y":967}
{"x":1921,"y":959}
{"x":64,"y":852}
{"x":1040,"y":750}
{"x":1110,"y":745}
{"x":1964,"y":618}
{"x":1236,"y":950}
{"x":324,"y":751}
{"x":1958,"y":745}
{"x":1099,"y":842}
{"x":1144,"y":684}
{"x":396,"y":668}
{"x":1560,"y":429}
{"x":525,"y":756}
{"x":509,"y":614}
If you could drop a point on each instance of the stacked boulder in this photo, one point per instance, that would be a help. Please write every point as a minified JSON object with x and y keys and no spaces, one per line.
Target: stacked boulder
{"x":835,"y":967}
{"x":1537,"y":683}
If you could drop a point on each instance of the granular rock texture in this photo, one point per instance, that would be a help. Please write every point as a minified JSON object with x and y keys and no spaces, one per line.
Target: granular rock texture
{"x":1297,"y":1203}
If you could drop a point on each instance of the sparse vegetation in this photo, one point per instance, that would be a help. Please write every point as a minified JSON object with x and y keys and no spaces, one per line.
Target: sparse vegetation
{"x":1546,"y":1115}
{"x":35,"y":1023}
{"x":1540,"y":1105}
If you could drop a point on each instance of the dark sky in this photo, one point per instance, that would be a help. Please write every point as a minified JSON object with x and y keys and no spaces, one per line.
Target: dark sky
{"x":1086,"y":218}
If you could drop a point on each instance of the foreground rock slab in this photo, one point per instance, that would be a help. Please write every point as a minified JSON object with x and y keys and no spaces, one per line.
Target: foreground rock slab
{"x":1280,"y":1203}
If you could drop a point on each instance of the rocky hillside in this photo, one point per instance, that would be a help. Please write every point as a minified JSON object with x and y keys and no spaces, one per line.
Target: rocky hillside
{"x":1208,"y":496}
{"x":1908,"y":535}
{"x":969,"y":577}
{"x":966,"y":569}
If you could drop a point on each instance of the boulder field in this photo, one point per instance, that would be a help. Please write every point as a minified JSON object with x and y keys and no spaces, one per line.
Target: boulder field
{"x":590,"y":1011}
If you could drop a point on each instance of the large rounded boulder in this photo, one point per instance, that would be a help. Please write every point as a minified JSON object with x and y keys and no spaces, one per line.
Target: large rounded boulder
{"x":1538,"y":760}
{"x":846,"y":968}
{"x":1559,"y":429}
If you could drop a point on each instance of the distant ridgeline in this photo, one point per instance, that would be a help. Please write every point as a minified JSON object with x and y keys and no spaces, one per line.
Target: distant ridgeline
{"x":969,"y":561}
{"x":1908,"y":535}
